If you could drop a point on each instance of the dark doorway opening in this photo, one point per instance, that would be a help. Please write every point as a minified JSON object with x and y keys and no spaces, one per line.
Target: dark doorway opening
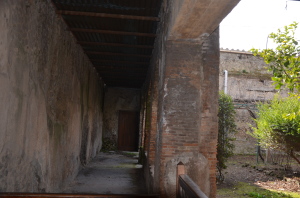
{"x":128,"y":131}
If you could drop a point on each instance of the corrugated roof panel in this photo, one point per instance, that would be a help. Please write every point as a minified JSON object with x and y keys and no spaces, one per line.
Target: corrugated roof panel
{"x":117,"y":49}
{"x":117,"y":35}
{"x":118,"y":58}
{"x":113,"y":38}
{"x":86,"y":22}
{"x":127,"y":7}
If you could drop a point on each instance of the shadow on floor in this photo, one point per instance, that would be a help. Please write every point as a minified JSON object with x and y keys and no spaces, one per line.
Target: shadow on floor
{"x":110,"y":173}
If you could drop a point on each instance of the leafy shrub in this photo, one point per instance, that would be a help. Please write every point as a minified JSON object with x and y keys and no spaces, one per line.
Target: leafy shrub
{"x":227,"y":127}
{"x":278,"y":124}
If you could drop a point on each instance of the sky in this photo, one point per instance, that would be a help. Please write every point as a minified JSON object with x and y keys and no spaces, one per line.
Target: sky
{"x":251,"y":21}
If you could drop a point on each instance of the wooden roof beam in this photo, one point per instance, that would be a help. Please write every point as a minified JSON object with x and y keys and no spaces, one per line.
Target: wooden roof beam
{"x":129,"y":78}
{"x":112,"y":32}
{"x":100,"y":67}
{"x":114,"y":44}
{"x":117,"y":54}
{"x":119,"y":62}
{"x":120,"y":80}
{"x":105,"y":15}
{"x":132,"y":73}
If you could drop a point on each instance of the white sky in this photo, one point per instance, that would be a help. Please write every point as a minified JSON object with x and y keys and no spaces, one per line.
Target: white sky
{"x":251,"y":21}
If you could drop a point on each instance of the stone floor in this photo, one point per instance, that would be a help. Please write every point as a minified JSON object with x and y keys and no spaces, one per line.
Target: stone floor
{"x":110,"y":173}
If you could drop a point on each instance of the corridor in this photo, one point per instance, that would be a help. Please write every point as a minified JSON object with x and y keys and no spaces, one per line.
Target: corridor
{"x":110,"y":173}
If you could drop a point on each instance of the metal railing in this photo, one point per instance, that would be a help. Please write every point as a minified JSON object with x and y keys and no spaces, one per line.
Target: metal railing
{"x":186,"y":187}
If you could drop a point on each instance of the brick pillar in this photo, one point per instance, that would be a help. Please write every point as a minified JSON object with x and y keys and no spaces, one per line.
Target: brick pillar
{"x":185,"y":120}
{"x":209,"y":111}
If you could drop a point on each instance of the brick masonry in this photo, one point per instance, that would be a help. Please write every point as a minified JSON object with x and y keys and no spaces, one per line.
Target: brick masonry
{"x":184,"y":115}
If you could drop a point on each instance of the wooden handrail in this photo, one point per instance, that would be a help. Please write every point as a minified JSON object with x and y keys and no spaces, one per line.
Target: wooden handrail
{"x":185,"y":186}
{"x":56,"y":195}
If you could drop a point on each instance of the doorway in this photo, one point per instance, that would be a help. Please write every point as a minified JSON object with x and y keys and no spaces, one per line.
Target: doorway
{"x":128,"y":131}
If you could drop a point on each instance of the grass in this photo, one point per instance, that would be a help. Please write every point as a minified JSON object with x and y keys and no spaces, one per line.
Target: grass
{"x":247,"y":190}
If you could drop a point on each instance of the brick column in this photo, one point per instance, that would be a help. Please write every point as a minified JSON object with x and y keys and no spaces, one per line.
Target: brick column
{"x":187,"y":122}
{"x":208,"y":138}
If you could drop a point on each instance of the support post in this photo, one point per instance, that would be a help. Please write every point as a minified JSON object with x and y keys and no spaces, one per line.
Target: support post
{"x":180,"y":171}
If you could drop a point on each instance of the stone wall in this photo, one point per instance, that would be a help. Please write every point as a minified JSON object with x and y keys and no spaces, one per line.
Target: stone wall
{"x":50,"y":101}
{"x":249,"y":82}
{"x":117,"y":99}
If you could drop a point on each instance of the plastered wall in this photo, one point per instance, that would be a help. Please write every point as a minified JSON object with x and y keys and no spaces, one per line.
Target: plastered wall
{"x":50,"y":100}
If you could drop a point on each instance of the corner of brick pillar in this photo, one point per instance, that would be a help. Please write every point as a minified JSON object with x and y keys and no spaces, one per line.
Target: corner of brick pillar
{"x":209,"y":111}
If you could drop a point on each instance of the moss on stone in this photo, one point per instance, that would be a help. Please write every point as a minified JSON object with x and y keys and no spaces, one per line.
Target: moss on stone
{"x":108,"y":144}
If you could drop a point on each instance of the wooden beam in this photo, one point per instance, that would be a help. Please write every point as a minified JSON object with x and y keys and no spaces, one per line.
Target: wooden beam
{"x":99,"y":67}
{"x":122,"y":80}
{"x":125,"y":75}
{"x":105,"y":15}
{"x":125,"y":85}
{"x":132,"y":73}
{"x":117,"y":54}
{"x":112,"y":32}
{"x":139,"y":77}
{"x":114,"y":44}
{"x":119,"y":62}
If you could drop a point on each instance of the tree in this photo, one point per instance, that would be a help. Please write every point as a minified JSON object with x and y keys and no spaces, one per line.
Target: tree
{"x":284,"y":60}
{"x":227,"y":127}
{"x":278,"y":124}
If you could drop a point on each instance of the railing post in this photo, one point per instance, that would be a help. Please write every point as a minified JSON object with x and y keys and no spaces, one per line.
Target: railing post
{"x":180,"y":171}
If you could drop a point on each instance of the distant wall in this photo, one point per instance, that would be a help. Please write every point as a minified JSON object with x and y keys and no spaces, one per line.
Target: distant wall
{"x":248,"y":82}
{"x":50,"y":100}
{"x":117,"y":99}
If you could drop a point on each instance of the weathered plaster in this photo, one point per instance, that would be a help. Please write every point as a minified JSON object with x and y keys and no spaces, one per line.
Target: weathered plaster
{"x":50,"y":99}
{"x":191,"y":19}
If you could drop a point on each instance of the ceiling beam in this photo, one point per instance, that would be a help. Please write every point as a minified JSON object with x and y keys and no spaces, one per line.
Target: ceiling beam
{"x":112,"y":32}
{"x":117,"y":54}
{"x":123,"y":77}
{"x":114,"y":44}
{"x":100,"y":67}
{"x":123,"y":85}
{"x":105,"y":15}
{"x":120,"y":80}
{"x":119,"y":62}
{"x":132,"y":73}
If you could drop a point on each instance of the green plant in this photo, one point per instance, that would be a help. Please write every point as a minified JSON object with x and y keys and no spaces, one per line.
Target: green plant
{"x":108,"y":144}
{"x":242,"y":189}
{"x":278,"y":124}
{"x":268,"y":194}
{"x":244,"y":71}
{"x":227,"y":127}
{"x":284,"y":60}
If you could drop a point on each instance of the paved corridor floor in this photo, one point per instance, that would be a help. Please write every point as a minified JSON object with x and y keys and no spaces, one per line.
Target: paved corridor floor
{"x":110,"y":173}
